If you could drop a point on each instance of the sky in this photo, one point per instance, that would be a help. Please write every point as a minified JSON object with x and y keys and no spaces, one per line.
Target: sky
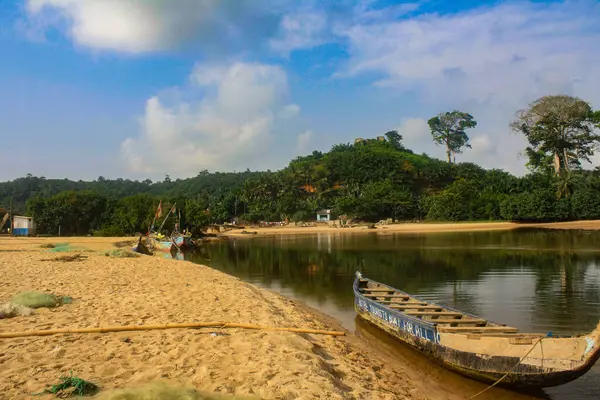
{"x":144,"y":88}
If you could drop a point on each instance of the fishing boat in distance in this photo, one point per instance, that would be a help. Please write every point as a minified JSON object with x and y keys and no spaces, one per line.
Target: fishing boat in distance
{"x":173,"y":245}
{"x":475,"y":347}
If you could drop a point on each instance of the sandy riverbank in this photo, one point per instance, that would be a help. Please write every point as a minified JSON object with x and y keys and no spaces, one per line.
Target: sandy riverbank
{"x":152,"y":290}
{"x":146,"y":290}
{"x":415,"y":228}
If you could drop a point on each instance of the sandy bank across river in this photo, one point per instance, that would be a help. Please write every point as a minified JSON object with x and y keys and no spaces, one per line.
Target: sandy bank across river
{"x":416,"y":228}
{"x":151,"y":290}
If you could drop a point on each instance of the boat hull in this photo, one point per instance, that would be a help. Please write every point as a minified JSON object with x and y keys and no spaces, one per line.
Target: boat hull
{"x":163,"y":246}
{"x":484,"y":368}
{"x":183,"y":242}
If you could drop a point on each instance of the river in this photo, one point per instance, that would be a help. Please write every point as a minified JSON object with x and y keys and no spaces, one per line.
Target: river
{"x":536,"y":280}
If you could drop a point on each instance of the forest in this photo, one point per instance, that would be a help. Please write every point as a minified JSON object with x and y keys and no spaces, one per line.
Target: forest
{"x":367,"y":180}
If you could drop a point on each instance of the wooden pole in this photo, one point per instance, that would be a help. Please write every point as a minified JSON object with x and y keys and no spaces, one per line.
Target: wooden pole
{"x":165,"y":220}
{"x":222,"y":325}
{"x":10,"y":214}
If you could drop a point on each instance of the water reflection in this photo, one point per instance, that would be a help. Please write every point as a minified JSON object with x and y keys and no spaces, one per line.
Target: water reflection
{"x":538,"y":281}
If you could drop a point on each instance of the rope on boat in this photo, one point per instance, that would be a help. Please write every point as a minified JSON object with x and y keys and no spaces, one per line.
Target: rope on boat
{"x":509,"y":371}
{"x":223,"y":325}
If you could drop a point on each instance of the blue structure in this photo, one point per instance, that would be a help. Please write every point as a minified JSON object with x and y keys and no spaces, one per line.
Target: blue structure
{"x":23,"y":226}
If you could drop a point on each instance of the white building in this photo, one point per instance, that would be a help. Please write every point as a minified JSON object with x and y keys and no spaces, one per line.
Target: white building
{"x":23,"y":226}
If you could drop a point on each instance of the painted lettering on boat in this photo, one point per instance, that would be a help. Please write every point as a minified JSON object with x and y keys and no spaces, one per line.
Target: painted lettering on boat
{"x":420,"y":331}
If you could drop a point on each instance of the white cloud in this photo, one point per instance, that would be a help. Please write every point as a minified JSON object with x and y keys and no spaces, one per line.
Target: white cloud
{"x":489,"y":62}
{"x":300,"y":31}
{"x":140,"y":26}
{"x":417,"y":137}
{"x":224,"y":119}
{"x":303,"y":142}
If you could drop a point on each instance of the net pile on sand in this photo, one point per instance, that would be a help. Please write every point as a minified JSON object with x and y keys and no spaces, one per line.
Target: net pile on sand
{"x":10,"y":310}
{"x":24,"y":303}
{"x":33,"y":299}
{"x":121,"y":253}
{"x":65,"y":247}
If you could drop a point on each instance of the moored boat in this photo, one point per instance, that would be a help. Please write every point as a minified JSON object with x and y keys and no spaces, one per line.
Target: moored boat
{"x":183,"y":241}
{"x":473,"y":346}
{"x":160,"y":242}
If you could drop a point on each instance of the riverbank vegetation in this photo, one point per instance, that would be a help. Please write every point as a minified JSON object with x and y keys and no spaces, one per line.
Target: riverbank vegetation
{"x":369,"y":180}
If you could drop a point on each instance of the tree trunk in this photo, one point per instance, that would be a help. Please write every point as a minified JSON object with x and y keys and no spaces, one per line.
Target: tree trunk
{"x":566,"y":160}
{"x":449,"y":154}
{"x":556,"y":163}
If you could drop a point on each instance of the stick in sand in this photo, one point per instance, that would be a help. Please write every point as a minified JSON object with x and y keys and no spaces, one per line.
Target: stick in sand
{"x":48,"y":332}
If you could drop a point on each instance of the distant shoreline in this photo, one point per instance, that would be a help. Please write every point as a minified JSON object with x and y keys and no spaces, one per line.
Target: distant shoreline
{"x":413,"y":228}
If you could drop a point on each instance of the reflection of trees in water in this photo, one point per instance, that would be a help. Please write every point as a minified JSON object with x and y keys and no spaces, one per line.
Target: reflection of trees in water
{"x":424,"y":263}
{"x":564,"y":292}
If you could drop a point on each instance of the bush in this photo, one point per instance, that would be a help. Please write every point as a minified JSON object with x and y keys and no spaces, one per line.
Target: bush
{"x":110,"y":231}
{"x":537,"y":206}
{"x":301,"y":216}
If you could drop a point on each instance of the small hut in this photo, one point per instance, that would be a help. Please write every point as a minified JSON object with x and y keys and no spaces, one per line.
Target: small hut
{"x":23,"y":226}
{"x":324,"y":215}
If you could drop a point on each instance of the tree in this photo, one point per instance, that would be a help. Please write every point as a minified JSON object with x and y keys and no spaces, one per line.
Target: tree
{"x":395,"y":139}
{"x":449,"y":129}
{"x":560,"y":132}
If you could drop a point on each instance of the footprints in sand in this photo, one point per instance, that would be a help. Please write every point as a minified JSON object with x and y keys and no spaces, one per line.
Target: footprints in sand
{"x":271,"y":365}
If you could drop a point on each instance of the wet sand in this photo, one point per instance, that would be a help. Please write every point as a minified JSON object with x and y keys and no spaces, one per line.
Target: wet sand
{"x":152,"y":290}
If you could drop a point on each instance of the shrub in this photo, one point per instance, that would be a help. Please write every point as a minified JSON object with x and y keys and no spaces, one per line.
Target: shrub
{"x":110,"y":231}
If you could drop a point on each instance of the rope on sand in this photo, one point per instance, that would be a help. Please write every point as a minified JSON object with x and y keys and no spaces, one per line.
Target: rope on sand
{"x":49,"y":332}
{"x":509,"y":371}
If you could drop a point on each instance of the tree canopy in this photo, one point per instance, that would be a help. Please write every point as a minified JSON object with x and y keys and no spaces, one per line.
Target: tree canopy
{"x":560,"y":131}
{"x":369,"y":180}
{"x":449,"y":129}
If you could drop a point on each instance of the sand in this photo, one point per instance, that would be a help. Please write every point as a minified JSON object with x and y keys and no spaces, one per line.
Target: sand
{"x":414,"y":228}
{"x":151,"y":290}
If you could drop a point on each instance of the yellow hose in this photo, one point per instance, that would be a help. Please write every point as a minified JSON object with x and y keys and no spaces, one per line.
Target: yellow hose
{"x":105,"y":329}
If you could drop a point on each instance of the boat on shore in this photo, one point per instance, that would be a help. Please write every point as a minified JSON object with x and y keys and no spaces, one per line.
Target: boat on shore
{"x":172,"y":245}
{"x":475,"y":347}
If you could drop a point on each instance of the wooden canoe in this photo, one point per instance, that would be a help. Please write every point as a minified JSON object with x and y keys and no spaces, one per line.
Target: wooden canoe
{"x":472,"y":346}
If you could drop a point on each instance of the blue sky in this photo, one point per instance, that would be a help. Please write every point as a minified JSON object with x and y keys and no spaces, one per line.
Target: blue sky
{"x":144,"y":88}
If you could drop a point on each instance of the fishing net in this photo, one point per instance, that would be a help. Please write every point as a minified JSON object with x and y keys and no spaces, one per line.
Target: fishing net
{"x":65,"y":247}
{"x":34,"y":299}
{"x":160,"y":391}
{"x":10,"y":310}
{"x":121,"y":253}
{"x":70,"y":386}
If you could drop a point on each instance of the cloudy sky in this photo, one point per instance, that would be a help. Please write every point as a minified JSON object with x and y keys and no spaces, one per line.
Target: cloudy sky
{"x":144,"y":88}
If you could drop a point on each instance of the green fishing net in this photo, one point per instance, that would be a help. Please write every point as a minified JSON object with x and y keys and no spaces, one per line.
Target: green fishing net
{"x":32,"y":299}
{"x":65,"y":247}
{"x":70,"y":386}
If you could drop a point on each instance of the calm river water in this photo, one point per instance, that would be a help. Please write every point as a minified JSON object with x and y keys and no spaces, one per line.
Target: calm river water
{"x":537,"y":280}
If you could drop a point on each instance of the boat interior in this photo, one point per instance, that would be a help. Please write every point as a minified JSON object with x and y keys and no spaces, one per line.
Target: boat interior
{"x":445,"y":318}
